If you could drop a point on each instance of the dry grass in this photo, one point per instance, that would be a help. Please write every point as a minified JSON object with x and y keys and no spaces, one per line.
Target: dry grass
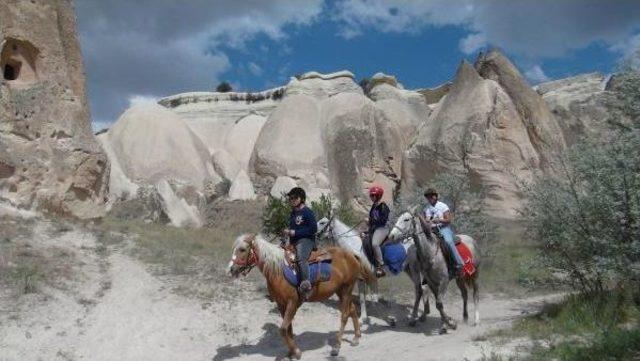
{"x":26,"y":268}
{"x":195,"y":259}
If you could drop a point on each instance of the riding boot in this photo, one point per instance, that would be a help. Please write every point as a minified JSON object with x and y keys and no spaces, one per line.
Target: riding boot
{"x":305,"y":289}
{"x":380,"y":271}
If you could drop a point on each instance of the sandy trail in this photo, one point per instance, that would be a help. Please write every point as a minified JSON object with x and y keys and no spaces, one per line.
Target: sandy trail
{"x":120,"y":311}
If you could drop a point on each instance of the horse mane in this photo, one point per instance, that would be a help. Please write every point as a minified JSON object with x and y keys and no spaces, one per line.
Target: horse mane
{"x":346,"y":233}
{"x":270,"y":255}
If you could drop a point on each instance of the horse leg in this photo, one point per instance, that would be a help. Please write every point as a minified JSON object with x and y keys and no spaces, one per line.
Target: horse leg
{"x":417,"y":285}
{"x":476,"y":299}
{"x":286,"y":330}
{"x":463,"y":291}
{"x":345,"y":304}
{"x":356,"y":325}
{"x":427,"y":308}
{"x":446,"y":320}
{"x":362,"y":292}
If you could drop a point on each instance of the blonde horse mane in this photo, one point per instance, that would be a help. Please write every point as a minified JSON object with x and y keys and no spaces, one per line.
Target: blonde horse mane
{"x":269,"y":255}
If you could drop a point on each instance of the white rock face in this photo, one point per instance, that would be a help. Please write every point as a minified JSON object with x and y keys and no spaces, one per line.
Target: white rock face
{"x":406,"y":108}
{"x":153,"y":144}
{"x":290,"y":142}
{"x":177,"y":209}
{"x":363,"y":147}
{"x":242,"y":138}
{"x":213,"y":115}
{"x":120,"y":186}
{"x":321,"y":86}
{"x":282,"y":186}
{"x":241,"y":188}
{"x":479,"y":127}
{"x":579,"y":103}
{"x":225,"y":164}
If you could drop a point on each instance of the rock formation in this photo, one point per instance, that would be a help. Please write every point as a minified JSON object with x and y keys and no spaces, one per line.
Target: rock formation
{"x":580,"y":104}
{"x":49,"y":159}
{"x":490,"y":124}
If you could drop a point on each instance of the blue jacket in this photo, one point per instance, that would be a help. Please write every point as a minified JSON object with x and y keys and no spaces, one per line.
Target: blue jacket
{"x":303,"y":223}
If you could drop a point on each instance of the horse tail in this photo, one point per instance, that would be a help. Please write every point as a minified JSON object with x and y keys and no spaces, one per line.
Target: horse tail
{"x":366,"y":271}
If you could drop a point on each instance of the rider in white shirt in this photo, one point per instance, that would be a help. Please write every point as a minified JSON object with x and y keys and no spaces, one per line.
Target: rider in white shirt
{"x":439,"y":215}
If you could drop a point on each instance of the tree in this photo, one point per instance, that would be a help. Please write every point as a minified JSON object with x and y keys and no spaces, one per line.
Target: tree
{"x":224,"y":87}
{"x":586,"y":216}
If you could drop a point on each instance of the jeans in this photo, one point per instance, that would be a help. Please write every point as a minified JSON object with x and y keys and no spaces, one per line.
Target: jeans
{"x":378,"y":236}
{"x":447,"y":234}
{"x":304,"y":246}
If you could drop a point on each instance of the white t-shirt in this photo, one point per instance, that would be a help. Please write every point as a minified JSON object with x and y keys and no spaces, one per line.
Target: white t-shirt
{"x":436,"y":211}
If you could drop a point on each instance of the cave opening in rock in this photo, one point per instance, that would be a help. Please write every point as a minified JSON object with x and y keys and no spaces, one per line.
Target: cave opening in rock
{"x":18,"y":61}
{"x":10,"y":72}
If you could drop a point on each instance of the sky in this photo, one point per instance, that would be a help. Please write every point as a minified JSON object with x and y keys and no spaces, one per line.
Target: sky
{"x":139,"y":51}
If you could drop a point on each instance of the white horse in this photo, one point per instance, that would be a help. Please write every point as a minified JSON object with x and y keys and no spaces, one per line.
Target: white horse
{"x":434,"y":265}
{"x":348,"y":238}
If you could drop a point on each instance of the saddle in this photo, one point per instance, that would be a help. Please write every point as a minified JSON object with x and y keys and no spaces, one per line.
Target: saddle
{"x":468,"y":268}
{"x":316,"y":256}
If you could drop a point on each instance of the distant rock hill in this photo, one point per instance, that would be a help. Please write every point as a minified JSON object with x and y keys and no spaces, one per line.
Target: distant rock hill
{"x":49,"y":158}
{"x":327,"y":134}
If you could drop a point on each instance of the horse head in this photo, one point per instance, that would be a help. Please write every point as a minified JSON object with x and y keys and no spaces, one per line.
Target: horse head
{"x":243,"y":256}
{"x":323,"y":225}
{"x":403,"y":227}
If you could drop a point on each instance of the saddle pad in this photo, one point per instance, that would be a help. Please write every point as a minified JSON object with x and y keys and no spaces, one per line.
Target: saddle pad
{"x":321,"y":269}
{"x":394,"y":256}
{"x":468,"y":269}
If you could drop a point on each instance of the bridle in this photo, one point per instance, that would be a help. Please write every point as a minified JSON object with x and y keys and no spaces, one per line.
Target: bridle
{"x":247,"y":264}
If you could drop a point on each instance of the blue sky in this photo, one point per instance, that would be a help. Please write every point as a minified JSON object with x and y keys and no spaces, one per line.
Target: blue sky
{"x":142,"y":50}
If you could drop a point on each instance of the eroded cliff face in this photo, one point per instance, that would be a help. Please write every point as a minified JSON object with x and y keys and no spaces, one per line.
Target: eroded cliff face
{"x":49,"y":158}
{"x":325,"y":133}
{"x":493,"y":126}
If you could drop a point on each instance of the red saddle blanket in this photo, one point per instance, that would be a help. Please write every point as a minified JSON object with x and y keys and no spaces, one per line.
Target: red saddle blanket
{"x":468,"y":269}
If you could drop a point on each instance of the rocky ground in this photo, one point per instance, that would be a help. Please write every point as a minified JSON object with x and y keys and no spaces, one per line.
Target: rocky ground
{"x":112,"y":307}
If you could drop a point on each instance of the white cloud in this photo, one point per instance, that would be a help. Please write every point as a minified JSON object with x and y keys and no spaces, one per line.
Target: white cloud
{"x":536,"y":75}
{"x":534,"y":29}
{"x":254,"y":69}
{"x":160,"y":48}
{"x":142,"y":99}
{"x":472,"y":43}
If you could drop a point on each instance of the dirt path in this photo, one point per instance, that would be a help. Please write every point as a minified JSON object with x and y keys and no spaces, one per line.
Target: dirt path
{"x":119,"y":311}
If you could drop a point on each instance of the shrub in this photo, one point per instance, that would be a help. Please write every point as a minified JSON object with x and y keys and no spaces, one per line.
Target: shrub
{"x":275,"y":216}
{"x":322,"y":207}
{"x":586,"y":215}
{"x":224,"y":87}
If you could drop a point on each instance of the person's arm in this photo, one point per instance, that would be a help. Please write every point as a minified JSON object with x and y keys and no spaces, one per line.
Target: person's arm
{"x":446,"y":217}
{"x":384,"y":214}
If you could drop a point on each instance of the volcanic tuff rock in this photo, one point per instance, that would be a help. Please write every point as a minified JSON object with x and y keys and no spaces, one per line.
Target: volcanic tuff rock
{"x":49,"y":159}
{"x":500,"y":134}
{"x":580,"y":104}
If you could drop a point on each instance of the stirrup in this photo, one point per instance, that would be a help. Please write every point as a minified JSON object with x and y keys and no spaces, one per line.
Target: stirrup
{"x":380,"y":271}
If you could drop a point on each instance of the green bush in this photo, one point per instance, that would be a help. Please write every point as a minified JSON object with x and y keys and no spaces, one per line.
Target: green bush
{"x":322,"y":207}
{"x":586,"y":215}
{"x":224,"y":87}
{"x":348,"y":215}
{"x":275,"y":216}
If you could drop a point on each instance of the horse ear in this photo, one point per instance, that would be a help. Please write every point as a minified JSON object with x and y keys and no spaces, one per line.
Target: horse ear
{"x":413,"y":209}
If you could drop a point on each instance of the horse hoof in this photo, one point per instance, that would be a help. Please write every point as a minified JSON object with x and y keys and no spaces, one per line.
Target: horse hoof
{"x":453,"y":325}
{"x":296,"y":355}
{"x":335,"y":351}
{"x":412,"y":322}
{"x":355,"y":342}
{"x":423,"y":318}
{"x":443,"y":330}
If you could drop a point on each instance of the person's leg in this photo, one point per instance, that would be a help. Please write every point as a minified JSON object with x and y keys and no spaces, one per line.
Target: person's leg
{"x":378,"y":237}
{"x":447,"y":234}
{"x":303,"y":250}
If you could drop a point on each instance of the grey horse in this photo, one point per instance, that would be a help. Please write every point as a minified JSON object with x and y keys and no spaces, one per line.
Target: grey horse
{"x":435,"y":268}
{"x":349,"y":238}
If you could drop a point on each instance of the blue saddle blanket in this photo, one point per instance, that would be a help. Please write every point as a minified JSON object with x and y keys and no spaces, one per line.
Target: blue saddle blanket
{"x":394,"y":256}
{"x":321,"y":269}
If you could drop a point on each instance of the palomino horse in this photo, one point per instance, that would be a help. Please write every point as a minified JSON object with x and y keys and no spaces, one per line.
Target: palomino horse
{"x":435,"y":266}
{"x":346,"y":269}
{"x":348,"y":238}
